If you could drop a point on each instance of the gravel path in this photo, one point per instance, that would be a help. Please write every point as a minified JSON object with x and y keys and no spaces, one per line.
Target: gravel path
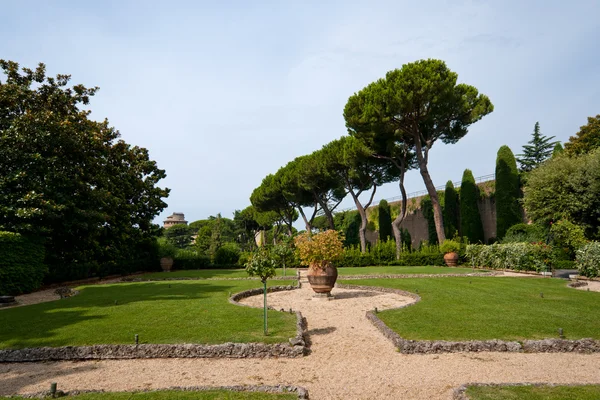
{"x":350,"y":360}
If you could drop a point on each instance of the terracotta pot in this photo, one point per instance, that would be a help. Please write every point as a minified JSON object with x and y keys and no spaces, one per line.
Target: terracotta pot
{"x":451,"y":259}
{"x":322,"y":280}
{"x":166,"y":263}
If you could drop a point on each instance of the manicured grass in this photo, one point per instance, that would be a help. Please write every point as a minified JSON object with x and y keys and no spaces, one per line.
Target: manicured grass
{"x":481,"y":308}
{"x":180,"y":395}
{"x":406,"y":270}
{"x":210,"y":273}
{"x":586,"y":392}
{"x":159,"y":312}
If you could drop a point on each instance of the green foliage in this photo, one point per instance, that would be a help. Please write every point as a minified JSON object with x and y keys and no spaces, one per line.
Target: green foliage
{"x":227,"y":254}
{"x":166,"y":248}
{"x":348,"y":223}
{"x":354,"y":257}
{"x":558,"y":149}
{"x":536,"y":151}
{"x":534,"y":392}
{"x":385,"y":221}
{"x":383,"y":252}
{"x":587,"y":139}
{"x":566,"y":187}
{"x":22,"y":266}
{"x":451,"y":210}
{"x":567,"y":236}
{"x":262,"y":264}
{"x":450,"y":246}
{"x":514,"y":256}
{"x":284,"y":253}
{"x":418,"y":259}
{"x":70,"y":180}
{"x":470,"y":219}
{"x":406,"y":239}
{"x":508,"y":211}
{"x":427,"y":209}
{"x":524,"y":233}
{"x":190,"y":259}
{"x":179,"y":235}
{"x":588,"y":260}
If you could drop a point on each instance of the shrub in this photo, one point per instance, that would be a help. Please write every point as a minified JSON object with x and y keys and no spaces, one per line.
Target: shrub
{"x":427,"y":209}
{"x":524,"y":233}
{"x":228,"y":254}
{"x":567,"y":236}
{"x":450,"y":246}
{"x":384,"y":252}
{"x":190,"y":259}
{"x":588,"y":260}
{"x":450,"y":210}
{"x":508,"y":211}
{"x":515,"y":256}
{"x":22,"y":266}
{"x":563,"y":264}
{"x":320,"y":249}
{"x":470,"y":219}
{"x":416,"y":259}
{"x":166,"y":248}
{"x":353,"y":257}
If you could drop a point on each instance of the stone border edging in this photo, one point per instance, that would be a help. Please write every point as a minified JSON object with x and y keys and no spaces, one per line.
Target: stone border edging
{"x":184,"y":278}
{"x":402,"y":276}
{"x":460,"y":393}
{"x":406,"y":346}
{"x":300,"y":391}
{"x":295,"y":348}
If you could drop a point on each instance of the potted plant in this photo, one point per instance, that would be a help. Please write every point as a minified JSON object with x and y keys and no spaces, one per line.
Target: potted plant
{"x":450,"y":249}
{"x":166,"y":252}
{"x":318,"y":252}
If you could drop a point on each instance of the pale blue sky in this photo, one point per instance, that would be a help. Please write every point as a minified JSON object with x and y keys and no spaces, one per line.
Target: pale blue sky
{"x":223,"y":93}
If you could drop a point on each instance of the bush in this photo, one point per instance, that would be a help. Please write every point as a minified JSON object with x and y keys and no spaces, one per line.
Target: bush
{"x":450,"y":246}
{"x":520,"y":233}
{"x":416,"y":259}
{"x":384,"y":252}
{"x":588,"y":260}
{"x":190,"y":259}
{"x":22,"y":266}
{"x":166,"y":249}
{"x":353,"y":257}
{"x":568,"y":237}
{"x":563,"y":264}
{"x":228,"y":254}
{"x":514,"y":256}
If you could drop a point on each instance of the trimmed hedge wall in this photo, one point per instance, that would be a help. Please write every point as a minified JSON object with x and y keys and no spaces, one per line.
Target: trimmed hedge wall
{"x":515,"y":256}
{"x":22,"y":266}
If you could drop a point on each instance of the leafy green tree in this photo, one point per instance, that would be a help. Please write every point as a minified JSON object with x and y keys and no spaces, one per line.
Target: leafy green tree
{"x":385,"y":221}
{"x":284,"y":254}
{"x":558,"y":149}
{"x":508,"y":192}
{"x":262,"y":264}
{"x":421,"y":103}
{"x":536,"y":151}
{"x":470,"y":219}
{"x":587,"y":139}
{"x":71,"y":181}
{"x":269,"y":197}
{"x":566,"y":188}
{"x":179,"y":235}
{"x":451,"y":211}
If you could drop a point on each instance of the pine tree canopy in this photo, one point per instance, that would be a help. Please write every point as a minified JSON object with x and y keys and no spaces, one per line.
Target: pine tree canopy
{"x":536,"y":151}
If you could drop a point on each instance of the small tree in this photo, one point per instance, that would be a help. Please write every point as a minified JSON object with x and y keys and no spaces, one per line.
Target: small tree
{"x":587,"y":139}
{"x":538,"y":150}
{"x":470,"y":219}
{"x":262,"y":265}
{"x":450,"y":210}
{"x":284,"y":254}
{"x":508,"y":210}
{"x":385,"y":221}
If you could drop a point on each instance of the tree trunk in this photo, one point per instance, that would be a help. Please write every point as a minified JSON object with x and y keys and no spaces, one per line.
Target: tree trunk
{"x":401,"y":215}
{"x":435,"y":202}
{"x":362,"y":232}
{"x":306,"y":222}
{"x":328,"y":213}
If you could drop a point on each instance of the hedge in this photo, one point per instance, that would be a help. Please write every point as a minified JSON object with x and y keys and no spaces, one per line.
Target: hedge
{"x":508,"y":210}
{"x":514,"y":256}
{"x":588,"y":260}
{"x":22,"y":267}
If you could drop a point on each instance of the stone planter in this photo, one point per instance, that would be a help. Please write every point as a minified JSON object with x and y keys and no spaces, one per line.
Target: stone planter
{"x":451,"y":259}
{"x":322,"y":280}
{"x":166,"y":263}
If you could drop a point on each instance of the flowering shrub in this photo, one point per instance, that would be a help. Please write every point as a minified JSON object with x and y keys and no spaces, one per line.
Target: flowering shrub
{"x":515,"y":256}
{"x":588,"y":260}
{"x":321,"y":249}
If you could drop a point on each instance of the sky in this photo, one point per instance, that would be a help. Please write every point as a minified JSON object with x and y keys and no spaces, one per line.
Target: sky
{"x":223,"y":93}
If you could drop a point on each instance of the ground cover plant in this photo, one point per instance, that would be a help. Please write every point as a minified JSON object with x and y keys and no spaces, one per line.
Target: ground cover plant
{"x":209,"y":273}
{"x":159,"y":312}
{"x":473,"y":308}
{"x":179,"y":395}
{"x":584,"y":392}
{"x":389,"y":270}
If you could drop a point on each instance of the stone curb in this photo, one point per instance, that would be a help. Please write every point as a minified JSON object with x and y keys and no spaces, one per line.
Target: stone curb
{"x":300,"y":391}
{"x":459,"y":393}
{"x":295,"y":348}
{"x":402,"y":276}
{"x":406,"y":346}
{"x":183,"y":278}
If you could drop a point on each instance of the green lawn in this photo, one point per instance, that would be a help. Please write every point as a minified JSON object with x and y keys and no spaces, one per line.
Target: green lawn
{"x":209,"y":273}
{"x":405,"y":270}
{"x":586,"y":392}
{"x":179,"y":395}
{"x":159,"y":312}
{"x":480,"y":308}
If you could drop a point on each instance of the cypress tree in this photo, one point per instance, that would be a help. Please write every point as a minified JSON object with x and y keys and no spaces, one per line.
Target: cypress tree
{"x":536,"y":151}
{"x":450,"y":210}
{"x":508,"y":211}
{"x":385,"y":221}
{"x":470,"y":220}
{"x":427,"y":209}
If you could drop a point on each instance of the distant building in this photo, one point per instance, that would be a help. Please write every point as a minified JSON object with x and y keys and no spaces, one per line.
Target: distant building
{"x":175,"y":219}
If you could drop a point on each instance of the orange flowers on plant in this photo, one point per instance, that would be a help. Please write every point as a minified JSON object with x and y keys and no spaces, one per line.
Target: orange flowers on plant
{"x":320,"y":249}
